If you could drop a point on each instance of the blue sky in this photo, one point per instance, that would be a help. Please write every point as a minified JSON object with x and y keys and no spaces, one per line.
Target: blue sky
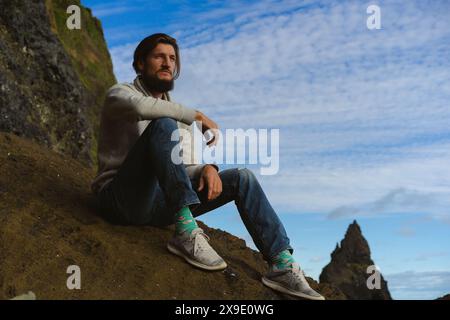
{"x":363,"y":116}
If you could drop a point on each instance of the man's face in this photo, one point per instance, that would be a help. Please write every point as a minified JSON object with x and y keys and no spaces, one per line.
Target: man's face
{"x":158,"y":68}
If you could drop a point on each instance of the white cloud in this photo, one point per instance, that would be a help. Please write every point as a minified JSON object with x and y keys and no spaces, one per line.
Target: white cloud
{"x":110,"y":9}
{"x":122,"y":57}
{"x":419,"y":285}
{"x":361,"y":184}
{"x":406,"y":231}
{"x":316,"y":259}
{"x":431,"y":255}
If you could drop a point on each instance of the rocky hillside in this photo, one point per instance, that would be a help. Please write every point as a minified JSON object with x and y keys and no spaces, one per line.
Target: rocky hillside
{"x":48,"y":222}
{"x":52,"y":79}
{"x":347,"y":269}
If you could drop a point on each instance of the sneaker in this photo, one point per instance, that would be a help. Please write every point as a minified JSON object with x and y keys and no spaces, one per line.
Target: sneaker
{"x":291,"y":281}
{"x":195,"y":249}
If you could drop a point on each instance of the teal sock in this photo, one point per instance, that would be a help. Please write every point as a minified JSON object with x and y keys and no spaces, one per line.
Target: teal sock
{"x":185,"y":222}
{"x":283,"y":260}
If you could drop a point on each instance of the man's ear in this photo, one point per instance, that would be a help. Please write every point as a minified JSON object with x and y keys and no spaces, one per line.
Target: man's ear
{"x":140,"y":65}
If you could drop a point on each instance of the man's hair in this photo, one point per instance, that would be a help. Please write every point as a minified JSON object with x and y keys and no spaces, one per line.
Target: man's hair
{"x":149,"y":43}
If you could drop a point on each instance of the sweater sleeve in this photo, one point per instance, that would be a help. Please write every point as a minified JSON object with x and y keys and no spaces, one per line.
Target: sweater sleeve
{"x":123,"y":102}
{"x":192,"y":164}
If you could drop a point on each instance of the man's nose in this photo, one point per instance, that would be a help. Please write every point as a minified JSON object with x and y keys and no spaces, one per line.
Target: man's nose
{"x":166,"y":62}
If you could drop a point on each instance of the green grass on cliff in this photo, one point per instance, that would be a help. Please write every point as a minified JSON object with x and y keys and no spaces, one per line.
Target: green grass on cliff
{"x":89,"y":54}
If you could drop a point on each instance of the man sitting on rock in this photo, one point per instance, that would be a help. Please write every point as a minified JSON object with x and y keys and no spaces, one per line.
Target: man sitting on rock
{"x":138,"y":183}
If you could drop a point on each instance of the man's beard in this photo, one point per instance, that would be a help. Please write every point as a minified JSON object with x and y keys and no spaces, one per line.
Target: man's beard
{"x":154,"y":84}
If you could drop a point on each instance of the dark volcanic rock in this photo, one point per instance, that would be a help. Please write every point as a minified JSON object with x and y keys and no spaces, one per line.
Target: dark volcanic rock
{"x":42,"y":96}
{"x":348,"y":268}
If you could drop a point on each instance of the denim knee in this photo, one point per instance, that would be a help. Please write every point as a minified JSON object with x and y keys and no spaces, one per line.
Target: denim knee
{"x":246,"y":175}
{"x":164,"y":125}
{"x":246,"y":179}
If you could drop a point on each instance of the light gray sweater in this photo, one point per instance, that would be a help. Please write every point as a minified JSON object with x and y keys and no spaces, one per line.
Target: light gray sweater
{"x":127,"y":111}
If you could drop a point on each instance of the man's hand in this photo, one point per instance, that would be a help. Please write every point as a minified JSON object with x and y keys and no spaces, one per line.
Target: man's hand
{"x":210,"y":178}
{"x":208,"y":124}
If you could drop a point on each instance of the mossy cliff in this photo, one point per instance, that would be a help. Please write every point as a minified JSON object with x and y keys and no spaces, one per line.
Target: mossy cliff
{"x":52,"y":79}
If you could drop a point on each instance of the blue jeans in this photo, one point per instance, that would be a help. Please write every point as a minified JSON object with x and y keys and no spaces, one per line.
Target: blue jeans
{"x":149,"y":189}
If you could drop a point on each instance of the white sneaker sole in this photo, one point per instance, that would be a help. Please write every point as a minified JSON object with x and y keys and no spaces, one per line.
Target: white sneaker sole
{"x":278,"y":287}
{"x":200,"y":265}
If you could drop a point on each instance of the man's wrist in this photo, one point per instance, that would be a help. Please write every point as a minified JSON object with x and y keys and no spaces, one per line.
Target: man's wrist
{"x":211,"y":165}
{"x":198,"y":115}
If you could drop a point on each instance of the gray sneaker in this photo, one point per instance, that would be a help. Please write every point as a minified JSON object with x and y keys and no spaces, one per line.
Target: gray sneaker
{"x":195,"y":249}
{"x":291,"y":281}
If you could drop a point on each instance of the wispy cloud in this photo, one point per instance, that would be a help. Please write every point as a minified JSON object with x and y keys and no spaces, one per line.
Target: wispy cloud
{"x":431,"y":255}
{"x":406,"y":232}
{"x":398,"y":200}
{"x":110,"y":9}
{"x":419,"y":285}
{"x":317,"y":259}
